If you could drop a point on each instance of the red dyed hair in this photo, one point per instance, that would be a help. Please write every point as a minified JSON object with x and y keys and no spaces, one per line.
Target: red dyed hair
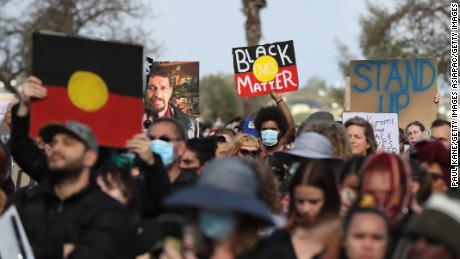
{"x":395,"y":205}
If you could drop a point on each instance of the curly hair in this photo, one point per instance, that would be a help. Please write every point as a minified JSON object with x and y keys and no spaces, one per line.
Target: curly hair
{"x":271,"y":113}
{"x":334,"y":132}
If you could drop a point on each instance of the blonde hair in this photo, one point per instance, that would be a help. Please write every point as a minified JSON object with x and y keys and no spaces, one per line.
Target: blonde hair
{"x":242,"y":140}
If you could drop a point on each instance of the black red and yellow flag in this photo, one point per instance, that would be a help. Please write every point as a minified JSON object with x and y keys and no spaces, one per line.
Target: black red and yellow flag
{"x":97,"y":83}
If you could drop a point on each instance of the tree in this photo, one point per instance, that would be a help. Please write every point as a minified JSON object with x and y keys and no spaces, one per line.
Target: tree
{"x":413,"y":28}
{"x":218,"y":98}
{"x":104,"y":19}
{"x":253,"y":28}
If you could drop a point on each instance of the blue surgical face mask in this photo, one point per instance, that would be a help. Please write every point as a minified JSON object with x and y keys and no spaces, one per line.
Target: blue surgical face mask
{"x":164,"y":149}
{"x":269,"y":137}
{"x":217,"y":225}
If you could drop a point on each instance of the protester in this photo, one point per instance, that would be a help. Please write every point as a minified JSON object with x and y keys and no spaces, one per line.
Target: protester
{"x":157,"y":98}
{"x":361,"y":136}
{"x":245,"y":146}
{"x":386,"y":183}
{"x":333,"y":131}
{"x":365,"y":234}
{"x":349,"y":183}
{"x":434,"y":158}
{"x":314,"y":200}
{"x":414,"y":131}
{"x":420,"y":186}
{"x":235,"y":124}
{"x":118,"y":183}
{"x":168,"y":141}
{"x":85,"y":222}
{"x":308,"y":146}
{"x":311,"y":146}
{"x":224,"y":138}
{"x":229,"y":213}
{"x":434,"y":232}
{"x":275,"y":125}
{"x":197,"y":153}
{"x":440,"y":130}
{"x":403,"y":142}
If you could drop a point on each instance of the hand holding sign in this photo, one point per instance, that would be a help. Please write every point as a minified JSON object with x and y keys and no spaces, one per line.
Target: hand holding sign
{"x":265,"y":68}
{"x":32,"y":88}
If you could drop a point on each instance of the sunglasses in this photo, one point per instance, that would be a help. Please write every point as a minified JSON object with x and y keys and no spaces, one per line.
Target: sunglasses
{"x":162,"y":137}
{"x":245,"y":152}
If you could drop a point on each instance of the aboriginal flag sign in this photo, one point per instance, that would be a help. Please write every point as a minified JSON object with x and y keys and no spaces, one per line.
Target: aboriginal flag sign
{"x":97,"y":83}
{"x":261,"y":69}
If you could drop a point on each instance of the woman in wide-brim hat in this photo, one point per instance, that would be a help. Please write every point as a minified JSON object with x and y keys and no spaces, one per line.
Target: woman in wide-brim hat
{"x":229,"y":211}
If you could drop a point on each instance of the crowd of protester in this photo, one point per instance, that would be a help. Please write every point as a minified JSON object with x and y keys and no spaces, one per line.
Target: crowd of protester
{"x":259,"y":187}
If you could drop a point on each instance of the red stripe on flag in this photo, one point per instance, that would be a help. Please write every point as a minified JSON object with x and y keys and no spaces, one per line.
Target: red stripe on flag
{"x":248,"y":86}
{"x":113,"y":124}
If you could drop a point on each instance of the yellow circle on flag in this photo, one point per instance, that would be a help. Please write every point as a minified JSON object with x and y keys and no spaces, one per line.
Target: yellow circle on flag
{"x":87,"y":91}
{"x":265,"y":68}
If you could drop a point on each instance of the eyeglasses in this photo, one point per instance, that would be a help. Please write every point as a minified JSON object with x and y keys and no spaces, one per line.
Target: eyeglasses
{"x":162,"y":137}
{"x":245,"y":152}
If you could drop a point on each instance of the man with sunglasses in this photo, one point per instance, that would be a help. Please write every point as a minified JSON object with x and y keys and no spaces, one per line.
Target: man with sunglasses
{"x":157,"y":96}
{"x":168,"y":138}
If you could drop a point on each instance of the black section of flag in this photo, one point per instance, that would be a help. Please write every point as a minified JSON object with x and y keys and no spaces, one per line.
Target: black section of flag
{"x":283,"y":52}
{"x":55,"y":58}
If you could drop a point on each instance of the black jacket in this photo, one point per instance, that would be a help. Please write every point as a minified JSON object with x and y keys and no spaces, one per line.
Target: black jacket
{"x":96,"y":224}
{"x":25,"y":152}
{"x":190,"y":124}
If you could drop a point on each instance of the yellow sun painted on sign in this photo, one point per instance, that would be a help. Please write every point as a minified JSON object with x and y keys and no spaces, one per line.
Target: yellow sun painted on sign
{"x":87,"y":91}
{"x":265,"y":68}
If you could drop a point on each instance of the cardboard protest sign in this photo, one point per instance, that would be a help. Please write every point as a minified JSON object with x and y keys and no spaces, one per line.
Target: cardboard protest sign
{"x":403,"y":86}
{"x":385,"y":127}
{"x":261,"y":69}
{"x":184,"y":79}
{"x":13,"y":238}
{"x":94,"y":82}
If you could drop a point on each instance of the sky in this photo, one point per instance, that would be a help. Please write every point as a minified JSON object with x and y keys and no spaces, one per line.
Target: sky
{"x":207,"y":30}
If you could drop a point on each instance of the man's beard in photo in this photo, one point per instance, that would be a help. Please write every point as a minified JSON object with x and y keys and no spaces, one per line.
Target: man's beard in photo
{"x":150,"y":108}
{"x":69,"y":173}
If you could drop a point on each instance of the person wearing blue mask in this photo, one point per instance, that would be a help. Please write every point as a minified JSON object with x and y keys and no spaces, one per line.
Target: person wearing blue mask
{"x":229,"y":211}
{"x":168,"y":138}
{"x":275,"y":125}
